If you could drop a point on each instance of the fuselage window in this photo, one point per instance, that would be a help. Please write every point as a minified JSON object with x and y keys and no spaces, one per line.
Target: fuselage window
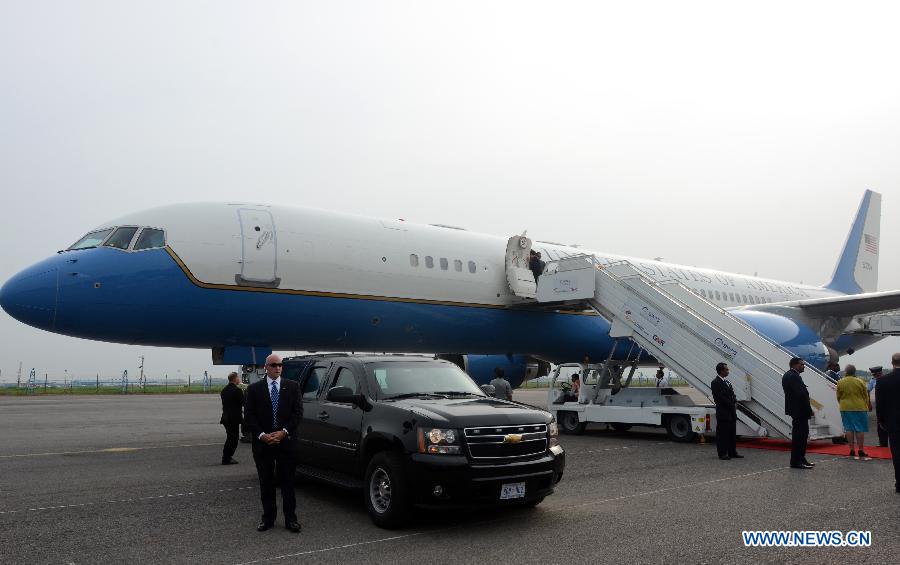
{"x":150,"y":238}
{"x":429,"y":261}
{"x":457,"y":265}
{"x":120,"y":238}
{"x":731,"y":296}
{"x":444,"y":263}
{"x":472,"y":267}
{"x":413,"y":260}
{"x":717,"y":295}
{"x":702,"y":293}
{"x":92,"y":239}
{"x":743,"y":299}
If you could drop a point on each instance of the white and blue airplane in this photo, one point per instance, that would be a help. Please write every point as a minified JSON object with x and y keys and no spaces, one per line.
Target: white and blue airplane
{"x":244,"y":279}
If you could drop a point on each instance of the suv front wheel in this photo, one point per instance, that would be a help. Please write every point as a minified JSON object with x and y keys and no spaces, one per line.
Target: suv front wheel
{"x":387,"y":493}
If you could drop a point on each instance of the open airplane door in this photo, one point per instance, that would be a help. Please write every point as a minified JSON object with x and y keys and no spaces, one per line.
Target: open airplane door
{"x":259,"y":249}
{"x":518,"y":275}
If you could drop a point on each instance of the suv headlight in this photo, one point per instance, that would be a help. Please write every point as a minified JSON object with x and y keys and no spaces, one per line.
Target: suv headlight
{"x":436,"y":441}
{"x":553,"y":432}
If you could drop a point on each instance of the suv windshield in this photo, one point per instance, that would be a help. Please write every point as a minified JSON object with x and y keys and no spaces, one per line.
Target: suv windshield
{"x":411,"y":378}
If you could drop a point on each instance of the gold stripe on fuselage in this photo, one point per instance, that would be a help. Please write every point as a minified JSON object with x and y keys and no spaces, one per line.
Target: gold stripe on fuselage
{"x":321,"y":294}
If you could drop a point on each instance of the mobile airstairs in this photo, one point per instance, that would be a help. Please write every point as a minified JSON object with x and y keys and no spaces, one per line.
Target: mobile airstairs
{"x":688,"y":334}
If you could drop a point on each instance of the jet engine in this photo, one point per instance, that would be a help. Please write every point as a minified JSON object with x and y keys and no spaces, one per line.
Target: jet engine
{"x":516,"y":368}
{"x":792,"y":335}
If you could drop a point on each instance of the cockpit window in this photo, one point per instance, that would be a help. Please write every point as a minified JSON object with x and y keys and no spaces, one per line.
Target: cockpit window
{"x":92,"y":239}
{"x":120,"y":238}
{"x":150,"y":238}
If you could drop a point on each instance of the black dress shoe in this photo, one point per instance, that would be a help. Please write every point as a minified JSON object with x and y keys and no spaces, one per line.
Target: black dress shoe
{"x":736,"y":456}
{"x":230,"y":462}
{"x":293,"y":526}
{"x":805,"y":462}
{"x":801,"y":466}
{"x":724,"y":457}
{"x":262,"y":526}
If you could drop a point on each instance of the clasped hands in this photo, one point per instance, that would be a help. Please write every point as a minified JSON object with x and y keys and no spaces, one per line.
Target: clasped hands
{"x":273,"y":438}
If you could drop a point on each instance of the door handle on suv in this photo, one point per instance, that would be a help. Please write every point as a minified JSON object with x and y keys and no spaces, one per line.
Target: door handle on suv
{"x":323,"y":415}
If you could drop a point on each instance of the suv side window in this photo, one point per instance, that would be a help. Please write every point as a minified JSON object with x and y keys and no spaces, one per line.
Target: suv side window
{"x":293,"y":371}
{"x":345,"y":377}
{"x":314,"y":382}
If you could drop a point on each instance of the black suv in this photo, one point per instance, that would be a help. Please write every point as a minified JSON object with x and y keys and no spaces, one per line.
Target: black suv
{"x":417,"y":431}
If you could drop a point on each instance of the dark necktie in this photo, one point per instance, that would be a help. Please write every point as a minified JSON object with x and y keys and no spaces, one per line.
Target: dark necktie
{"x":274,"y":405}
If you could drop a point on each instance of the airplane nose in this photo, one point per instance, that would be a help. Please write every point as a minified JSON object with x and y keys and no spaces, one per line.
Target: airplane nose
{"x":31,"y":297}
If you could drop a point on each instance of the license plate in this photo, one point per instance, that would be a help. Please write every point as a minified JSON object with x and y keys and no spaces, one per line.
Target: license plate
{"x":512,"y":490}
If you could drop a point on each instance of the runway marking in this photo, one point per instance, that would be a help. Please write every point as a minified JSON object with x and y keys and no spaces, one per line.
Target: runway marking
{"x":623,"y":447}
{"x":106,"y":450}
{"x":547,"y":511}
{"x":125,"y":500}
{"x":680,"y":487}
{"x":337,"y":547}
{"x":823,"y":507}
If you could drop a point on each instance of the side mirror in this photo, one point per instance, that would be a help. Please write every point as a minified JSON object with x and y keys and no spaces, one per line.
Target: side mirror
{"x":343,"y":395}
{"x":488,"y":389}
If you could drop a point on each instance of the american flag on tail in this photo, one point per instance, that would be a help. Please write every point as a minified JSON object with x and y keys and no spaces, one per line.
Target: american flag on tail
{"x":871,"y":243}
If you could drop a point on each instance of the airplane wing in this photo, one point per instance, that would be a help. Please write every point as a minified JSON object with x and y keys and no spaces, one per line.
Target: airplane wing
{"x":848,"y":306}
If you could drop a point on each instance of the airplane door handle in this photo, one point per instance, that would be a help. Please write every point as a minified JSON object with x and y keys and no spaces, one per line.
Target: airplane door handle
{"x":323,"y":415}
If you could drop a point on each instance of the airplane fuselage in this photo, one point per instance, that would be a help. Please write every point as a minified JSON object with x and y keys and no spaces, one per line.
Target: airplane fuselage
{"x":293,"y":278}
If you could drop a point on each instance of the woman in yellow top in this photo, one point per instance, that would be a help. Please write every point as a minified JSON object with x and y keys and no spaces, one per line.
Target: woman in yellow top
{"x":853,"y":398}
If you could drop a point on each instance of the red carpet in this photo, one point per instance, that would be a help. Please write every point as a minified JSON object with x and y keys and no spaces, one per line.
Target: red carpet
{"x":821,"y":447}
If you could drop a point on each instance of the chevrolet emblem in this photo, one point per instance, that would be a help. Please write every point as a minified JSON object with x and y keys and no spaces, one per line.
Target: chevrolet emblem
{"x":512,"y":438}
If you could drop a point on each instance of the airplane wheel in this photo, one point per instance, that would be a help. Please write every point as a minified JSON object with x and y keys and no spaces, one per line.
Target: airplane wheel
{"x":569,"y":424}
{"x":678,"y":427}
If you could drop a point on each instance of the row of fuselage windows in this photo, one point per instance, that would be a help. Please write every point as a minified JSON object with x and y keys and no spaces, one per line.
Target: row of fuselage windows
{"x":734,"y":297}
{"x":122,"y":238}
{"x":444,"y":263}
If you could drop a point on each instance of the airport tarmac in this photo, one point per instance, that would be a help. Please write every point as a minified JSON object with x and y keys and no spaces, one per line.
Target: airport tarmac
{"x":115,"y":479}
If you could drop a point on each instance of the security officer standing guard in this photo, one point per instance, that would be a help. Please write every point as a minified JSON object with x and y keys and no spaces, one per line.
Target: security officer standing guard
{"x":873,"y":386}
{"x":232,"y":409}
{"x":797,"y":406}
{"x":272,"y":413}
{"x":726,"y":414}
{"x":887,"y":403}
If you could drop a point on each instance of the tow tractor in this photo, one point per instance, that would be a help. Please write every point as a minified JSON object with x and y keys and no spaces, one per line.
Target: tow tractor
{"x":605,"y":398}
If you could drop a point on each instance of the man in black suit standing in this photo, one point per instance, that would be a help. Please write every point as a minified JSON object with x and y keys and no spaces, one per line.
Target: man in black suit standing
{"x":726,"y":414}
{"x":271,"y":414}
{"x":232,"y":409}
{"x":797,"y":406}
{"x":887,"y":407}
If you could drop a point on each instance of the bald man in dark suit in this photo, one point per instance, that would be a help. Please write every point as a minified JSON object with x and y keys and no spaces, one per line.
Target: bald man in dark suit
{"x":272,"y":413}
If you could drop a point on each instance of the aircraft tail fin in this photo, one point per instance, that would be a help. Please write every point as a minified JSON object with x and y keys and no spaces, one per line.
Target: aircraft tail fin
{"x":857,"y":268}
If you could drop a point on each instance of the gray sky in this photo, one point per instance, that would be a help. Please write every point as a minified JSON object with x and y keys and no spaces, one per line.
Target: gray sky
{"x":737,"y":137}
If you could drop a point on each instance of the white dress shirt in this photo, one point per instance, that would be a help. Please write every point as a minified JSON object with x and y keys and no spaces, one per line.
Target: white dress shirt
{"x":269,"y":382}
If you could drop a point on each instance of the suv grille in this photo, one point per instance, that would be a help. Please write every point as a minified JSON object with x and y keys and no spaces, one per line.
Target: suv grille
{"x":502,"y":442}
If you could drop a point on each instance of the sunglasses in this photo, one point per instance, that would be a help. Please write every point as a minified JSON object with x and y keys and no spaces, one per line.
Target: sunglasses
{"x":276,"y":364}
